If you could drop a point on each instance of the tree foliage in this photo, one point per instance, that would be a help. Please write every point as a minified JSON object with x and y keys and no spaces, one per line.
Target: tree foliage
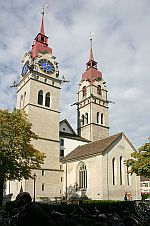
{"x":17,"y":155}
{"x":140,"y":163}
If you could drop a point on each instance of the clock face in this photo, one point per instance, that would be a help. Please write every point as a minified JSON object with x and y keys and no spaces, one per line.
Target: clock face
{"x":46,"y":66}
{"x":25,"y":68}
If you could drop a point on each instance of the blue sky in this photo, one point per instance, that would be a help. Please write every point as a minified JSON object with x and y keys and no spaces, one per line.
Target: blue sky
{"x":121,"y":46}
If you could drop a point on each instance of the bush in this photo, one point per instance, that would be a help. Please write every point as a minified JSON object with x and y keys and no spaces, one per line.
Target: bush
{"x":145,"y":196}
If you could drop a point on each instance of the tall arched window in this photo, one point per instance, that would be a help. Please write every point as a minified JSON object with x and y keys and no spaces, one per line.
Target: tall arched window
{"x":97,"y":117}
{"x":86,"y":116}
{"x":24,"y":99}
{"x":82,"y":175}
{"x":47,"y":100}
{"x":113,"y":171}
{"x":83,"y":120}
{"x":40,"y":97}
{"x":99,"y":90}
{"x":84,"y":91}
{"x":102,"y":118}
{"x":128,"y":179}
{"x":120,"y":170}
{"x":21,"y":101}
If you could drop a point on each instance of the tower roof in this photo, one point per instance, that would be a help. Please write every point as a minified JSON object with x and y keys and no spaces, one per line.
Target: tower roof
{"x":42,"y":25}
{"x":91,"y":71}
{"x":40,"y":43}
{"x":91,"y":51}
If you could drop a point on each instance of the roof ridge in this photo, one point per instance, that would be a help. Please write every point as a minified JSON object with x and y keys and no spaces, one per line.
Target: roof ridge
{"x":98,"y":146}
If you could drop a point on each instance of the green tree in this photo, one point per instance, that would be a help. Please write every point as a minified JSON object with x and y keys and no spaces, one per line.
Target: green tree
{"x":17,"y":154}
{"x":140,"y":163}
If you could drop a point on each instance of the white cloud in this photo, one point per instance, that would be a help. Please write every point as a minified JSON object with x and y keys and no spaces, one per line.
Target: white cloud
{"x":121,"y":47}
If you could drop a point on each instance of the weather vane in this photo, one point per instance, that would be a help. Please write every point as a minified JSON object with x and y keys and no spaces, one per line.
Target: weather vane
{"x":43,"y":8}
{"x":91,"y":35}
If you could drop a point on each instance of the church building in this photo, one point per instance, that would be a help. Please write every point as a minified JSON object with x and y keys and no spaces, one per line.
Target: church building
{"x":89,"y":163}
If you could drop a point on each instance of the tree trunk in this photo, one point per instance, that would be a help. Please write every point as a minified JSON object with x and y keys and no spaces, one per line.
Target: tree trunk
{"x":1,"y":189}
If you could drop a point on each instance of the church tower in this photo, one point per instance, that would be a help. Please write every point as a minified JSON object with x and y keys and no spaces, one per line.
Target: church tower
{"x":93,"y":115}
{"x":39,"y":95}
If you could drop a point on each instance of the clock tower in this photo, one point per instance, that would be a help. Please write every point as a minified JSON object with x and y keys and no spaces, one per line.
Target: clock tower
{"x":39,"y":95}
{"x":93,"y":118}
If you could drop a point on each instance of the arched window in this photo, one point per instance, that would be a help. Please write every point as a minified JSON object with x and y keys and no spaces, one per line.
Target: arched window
{"x":43,"y":186}
{"x":82,"y":175}
{"x":128,"y":176}
{"x":84,"y":91}
{"x":97,"y":117}
{"x":47,"y":100}
{"x":83,"y":120}
{"x":42,"y":39}
{"x":21,"y":101}
{"x":24,"y":99}
{"x":113,"y":171}
{"x":102,"y":118}
{"x":86,"y":117}
{"x":120,"y":170}
{"x":99,"y":90}
{"x":40,"y":97}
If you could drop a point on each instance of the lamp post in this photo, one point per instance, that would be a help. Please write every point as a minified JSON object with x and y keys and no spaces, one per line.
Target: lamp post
{"x":34,"y":179}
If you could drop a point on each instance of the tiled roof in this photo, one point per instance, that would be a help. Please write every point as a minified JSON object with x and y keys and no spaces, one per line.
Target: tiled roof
{"x":96,"y":147}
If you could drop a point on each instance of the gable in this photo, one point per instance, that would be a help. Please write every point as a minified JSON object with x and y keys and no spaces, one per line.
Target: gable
{"x":98,"y":147}
{"x":64,"y":126}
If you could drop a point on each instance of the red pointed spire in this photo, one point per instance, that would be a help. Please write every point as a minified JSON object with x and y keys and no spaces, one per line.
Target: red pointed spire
{"x":42,"y":25}
{"x":91,"y":62}
{"x":91,"y":51}
{"x":91,"y":72}
{"x":41,"y":41}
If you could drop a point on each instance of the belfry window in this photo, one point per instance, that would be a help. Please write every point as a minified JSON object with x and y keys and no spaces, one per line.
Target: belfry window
{"x":97,"y":117}
{"x":43,"y":187}
{"x":21,"y":101}
{"x":82,"y":120}
{"x":82,"y":176}
{"x":47,"y":100}
{"x":99,"y":90}
{"x":86,"y":117}
{"x":102,"y":118}
{"x":40,"y":97}
{"x":24,"y":99}
{"x":84,"y":91}
{"x":42,"y":39}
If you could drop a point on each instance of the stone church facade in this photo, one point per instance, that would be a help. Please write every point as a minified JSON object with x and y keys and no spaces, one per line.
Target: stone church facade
{"x":90,"y":162}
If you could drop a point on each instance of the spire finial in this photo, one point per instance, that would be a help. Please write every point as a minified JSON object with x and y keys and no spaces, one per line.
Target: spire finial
{"x":43,"y":11}
{"x":91,"y":51}
{"x":91,"y":35}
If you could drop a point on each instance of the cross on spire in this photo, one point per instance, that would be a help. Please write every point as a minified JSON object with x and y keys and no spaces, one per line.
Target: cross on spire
{"x":41,"y":41}
{"x":42,"y":24}
{"x":91,"y":72}
{"x":91,"y":62}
